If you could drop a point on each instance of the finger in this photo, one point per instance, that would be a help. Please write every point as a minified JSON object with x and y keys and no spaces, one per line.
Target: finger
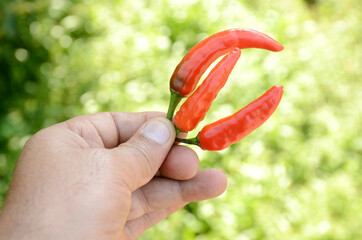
{"x":181,"y":135}
{"x":129,"y":123}
{"x":162,"y":192}
{"x":142,"y":155}
{"x":181,"y":163}
{"x":108,"y":129}
{"x":133,"y":229}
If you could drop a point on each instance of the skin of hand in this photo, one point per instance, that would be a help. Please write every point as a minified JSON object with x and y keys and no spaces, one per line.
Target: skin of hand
{"x":107,"y":176}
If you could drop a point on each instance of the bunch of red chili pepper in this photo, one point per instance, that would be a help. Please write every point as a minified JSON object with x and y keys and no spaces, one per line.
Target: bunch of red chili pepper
{"x":224,"y":132}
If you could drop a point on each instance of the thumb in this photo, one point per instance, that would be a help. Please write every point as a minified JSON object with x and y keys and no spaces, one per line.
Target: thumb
{"x":142,"y":155}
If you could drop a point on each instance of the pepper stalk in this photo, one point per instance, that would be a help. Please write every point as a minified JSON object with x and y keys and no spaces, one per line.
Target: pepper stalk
{"x":194,"y":141}
{"x":174,"y":101}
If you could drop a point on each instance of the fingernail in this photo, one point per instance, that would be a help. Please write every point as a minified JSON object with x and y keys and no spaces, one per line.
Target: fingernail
{"x":157,"y":131}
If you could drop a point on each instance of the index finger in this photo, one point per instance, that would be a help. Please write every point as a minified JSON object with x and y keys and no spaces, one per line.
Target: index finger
{"x":110,"y":128}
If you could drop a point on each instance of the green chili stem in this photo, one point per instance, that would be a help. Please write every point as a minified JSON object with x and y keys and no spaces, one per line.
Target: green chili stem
{"x":177,"y":130}
{"x":174,"y":101}
{"x":193,"y":141}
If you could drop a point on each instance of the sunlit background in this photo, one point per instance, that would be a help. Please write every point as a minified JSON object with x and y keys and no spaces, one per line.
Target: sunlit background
{"x":296,"y":177}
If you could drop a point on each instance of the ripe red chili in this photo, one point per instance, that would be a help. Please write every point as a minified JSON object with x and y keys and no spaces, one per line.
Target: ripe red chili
{"x":194,"y":109}
{"x":189,"y":71}
{"x":224,"y":132}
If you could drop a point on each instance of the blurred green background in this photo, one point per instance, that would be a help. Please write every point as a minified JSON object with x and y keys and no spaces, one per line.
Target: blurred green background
{"x":296,"y":177}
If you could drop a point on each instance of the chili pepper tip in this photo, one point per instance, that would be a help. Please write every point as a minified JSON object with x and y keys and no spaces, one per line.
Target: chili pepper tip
{"x":278,"y":48}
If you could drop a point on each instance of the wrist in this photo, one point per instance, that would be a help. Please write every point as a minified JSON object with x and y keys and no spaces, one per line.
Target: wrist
{"x":31,"y":223}
{"x":13,"y":226}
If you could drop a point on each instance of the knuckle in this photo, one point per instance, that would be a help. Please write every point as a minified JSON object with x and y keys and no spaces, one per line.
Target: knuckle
{"x":39,"y":141}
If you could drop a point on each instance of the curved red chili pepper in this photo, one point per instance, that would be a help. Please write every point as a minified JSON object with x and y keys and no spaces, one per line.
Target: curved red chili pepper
{"x":224,"y":132}
{"x":194,"y":109}
{"x":189,"y":71}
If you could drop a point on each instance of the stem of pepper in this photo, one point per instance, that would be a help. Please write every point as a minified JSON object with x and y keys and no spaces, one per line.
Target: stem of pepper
{"x":174,"y":101}
{"x":177,"y":130}
{"x":193,"y":141}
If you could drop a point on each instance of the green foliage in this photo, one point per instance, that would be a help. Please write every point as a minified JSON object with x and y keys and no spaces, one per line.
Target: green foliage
{"x":297,"y":177}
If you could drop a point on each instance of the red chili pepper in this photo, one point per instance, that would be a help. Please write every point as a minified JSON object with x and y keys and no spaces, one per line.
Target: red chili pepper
{"x":189,"y":71}
{"x":194,"y":109}
{"x":224,"y":132}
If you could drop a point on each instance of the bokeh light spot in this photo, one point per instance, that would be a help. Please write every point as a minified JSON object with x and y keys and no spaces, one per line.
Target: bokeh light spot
{"x":21,"y":54}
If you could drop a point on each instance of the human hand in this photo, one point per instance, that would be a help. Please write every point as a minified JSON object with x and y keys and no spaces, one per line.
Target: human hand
{"x":103,"y":176}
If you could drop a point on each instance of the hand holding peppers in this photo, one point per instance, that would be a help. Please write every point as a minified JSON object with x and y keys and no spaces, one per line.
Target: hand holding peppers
{"x":220,"y":134}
